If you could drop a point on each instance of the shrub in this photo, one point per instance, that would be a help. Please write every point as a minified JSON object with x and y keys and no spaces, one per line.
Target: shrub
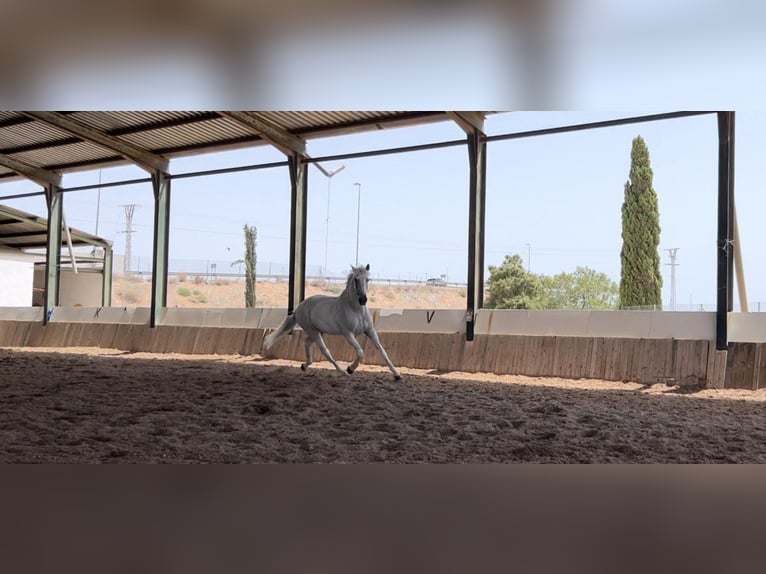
{"x":184,"y":291}
{"x":198,"y":297}
{"x":129,"y":296}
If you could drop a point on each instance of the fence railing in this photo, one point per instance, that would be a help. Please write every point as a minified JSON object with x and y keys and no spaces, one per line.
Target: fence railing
{"x":211,"y":270}
{"x":214,"y":276}
{"x":753,"y":307}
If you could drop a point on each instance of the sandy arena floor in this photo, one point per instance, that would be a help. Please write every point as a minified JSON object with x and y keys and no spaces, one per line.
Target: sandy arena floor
{"x":83,"y":405}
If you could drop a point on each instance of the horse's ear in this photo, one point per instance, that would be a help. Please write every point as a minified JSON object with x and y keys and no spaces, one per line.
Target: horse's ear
{"x":368,"y":267}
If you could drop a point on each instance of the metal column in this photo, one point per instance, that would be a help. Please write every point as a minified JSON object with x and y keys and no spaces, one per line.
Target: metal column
{"x":298,"y":203}
{"x":477,"y":154}
{"x":106,"y":287}
{"x":54,"y":199}
{"x":161,"y":185}
{"x":725,"y":243}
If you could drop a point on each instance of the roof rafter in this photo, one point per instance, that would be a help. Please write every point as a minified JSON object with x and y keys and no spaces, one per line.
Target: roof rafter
{"x":18,"y":234}
{"x":144,"y":158}
{"x":39,"y":175}
{"x":468,"y":121}
{"x":277,"y":136}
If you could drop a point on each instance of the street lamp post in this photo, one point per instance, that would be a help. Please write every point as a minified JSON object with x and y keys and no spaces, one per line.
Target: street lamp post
{"x":529,"y":257}
{"x":329,"y":175}
{"x":358,"y":211}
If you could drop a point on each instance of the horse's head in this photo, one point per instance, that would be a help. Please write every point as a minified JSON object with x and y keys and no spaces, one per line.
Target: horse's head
{"x":358,"y":280}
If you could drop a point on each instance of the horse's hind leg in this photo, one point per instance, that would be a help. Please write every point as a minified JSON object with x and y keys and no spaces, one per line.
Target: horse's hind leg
{"x":326,"y":352}
{"x":359,"y":352}
{"x":309,"y":354}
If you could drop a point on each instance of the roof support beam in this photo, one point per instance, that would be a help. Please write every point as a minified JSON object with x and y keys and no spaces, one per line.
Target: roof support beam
{"x":738,"y":265}
{"x":147,"y":160}
{"x":40,"y":176}
{"x":37,"y":245}
{"x":468,"y":121}
{"x":19,"y":234}
{"x":277,"y":136}
{"x":298,"y":216}
{"x":477,"y":155}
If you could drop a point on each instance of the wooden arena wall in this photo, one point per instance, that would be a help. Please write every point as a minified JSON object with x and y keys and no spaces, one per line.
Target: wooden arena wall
{"x":649,"y":359}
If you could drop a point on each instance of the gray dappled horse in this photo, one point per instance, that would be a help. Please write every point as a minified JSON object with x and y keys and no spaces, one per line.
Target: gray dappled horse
{"x":345,"y":315}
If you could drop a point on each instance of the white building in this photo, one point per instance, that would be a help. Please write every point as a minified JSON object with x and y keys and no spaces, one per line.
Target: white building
{"x":23,"y":239}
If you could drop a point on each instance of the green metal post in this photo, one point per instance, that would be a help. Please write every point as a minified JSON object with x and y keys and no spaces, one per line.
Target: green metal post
{"x":161,"y":185}
{"x":299,"y":196}
{"x":106,"y":289}
{"x":54,"y":199}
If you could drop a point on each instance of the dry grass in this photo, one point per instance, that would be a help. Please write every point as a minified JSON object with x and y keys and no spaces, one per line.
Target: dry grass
{"x":231,"y":294}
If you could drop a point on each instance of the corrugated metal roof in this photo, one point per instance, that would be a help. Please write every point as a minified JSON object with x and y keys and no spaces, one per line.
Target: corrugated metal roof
{"x":298,"y":121}
{"x":51,"y":157}
{"x":171,"y":134}
{"x":23,"y":231}
{"x":28,"y":133}
{"x":204,"y":132}
{"x":120,"y":121}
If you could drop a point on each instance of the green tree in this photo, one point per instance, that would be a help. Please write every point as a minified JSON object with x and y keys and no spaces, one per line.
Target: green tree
{"x":640,"y":279}
{"x":586,"y":288}
{"x":251,"y":234}
{"x":511,"y":286}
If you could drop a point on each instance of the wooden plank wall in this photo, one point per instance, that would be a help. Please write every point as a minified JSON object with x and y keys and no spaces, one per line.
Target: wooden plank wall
{"x":686,"y":362}
{"x":745,"y":366}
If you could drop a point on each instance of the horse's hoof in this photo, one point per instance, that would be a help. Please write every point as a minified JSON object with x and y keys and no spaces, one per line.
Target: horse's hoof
{"x":397,"y":377}
{"x":350,"y":371}
{"x":303,"y":366}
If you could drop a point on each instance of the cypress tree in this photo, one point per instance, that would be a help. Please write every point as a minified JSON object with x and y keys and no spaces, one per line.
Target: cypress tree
{"x":251,"y":234}
{"x":640,"y":279}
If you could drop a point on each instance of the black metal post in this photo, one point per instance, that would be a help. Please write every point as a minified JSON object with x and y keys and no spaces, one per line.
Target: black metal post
{"x":477,"y":155}
{"x":724,"y":244}
{"x":733,"y":247}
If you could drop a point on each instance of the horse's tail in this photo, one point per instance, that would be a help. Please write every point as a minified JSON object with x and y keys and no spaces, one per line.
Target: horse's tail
{"x":287,"y":325}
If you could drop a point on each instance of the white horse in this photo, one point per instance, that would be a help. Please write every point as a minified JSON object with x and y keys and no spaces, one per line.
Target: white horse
{"x":345,"y":315}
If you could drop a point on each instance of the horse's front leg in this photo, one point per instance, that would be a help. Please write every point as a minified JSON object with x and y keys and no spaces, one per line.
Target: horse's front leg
{"x":359,"y":351}
{"x":373,"y":335}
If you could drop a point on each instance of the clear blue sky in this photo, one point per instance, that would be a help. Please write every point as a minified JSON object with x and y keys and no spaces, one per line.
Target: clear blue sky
{"x":560,"y":194}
